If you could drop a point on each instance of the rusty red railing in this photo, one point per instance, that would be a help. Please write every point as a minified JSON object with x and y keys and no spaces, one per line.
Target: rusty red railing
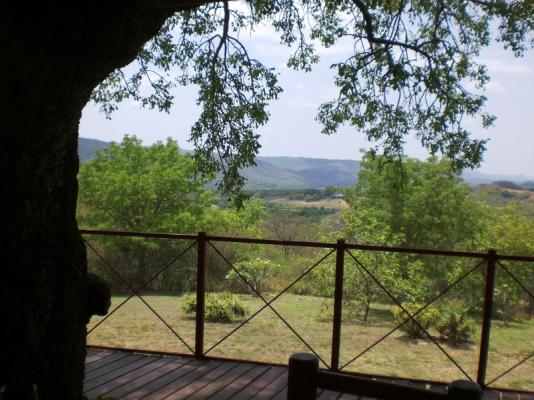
{"x":490,"y":259}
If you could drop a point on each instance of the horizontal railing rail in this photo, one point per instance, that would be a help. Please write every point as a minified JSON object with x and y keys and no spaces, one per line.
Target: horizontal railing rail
{"x":305,"y":377}
{"x":491,"y":261}
{"x":329,"y":245}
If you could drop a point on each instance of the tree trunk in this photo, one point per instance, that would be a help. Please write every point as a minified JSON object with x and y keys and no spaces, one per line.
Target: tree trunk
{"x":52,"y":58}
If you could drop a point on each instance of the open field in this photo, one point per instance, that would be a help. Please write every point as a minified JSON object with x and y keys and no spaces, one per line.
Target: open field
{"x":526,"y":194}
{"x":338,"y":204}
{"x":266,"y":338}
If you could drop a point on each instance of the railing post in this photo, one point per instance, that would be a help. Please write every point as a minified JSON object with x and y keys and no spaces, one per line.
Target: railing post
{"x":302,"y":377}
{"x":486,"y":317}
{"x":464,"y":390}
{"x":201,"y":294}
{"x":338,"y":304}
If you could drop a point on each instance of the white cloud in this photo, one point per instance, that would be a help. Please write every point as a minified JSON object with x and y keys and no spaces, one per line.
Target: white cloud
{"x":299,"y":101}
{"x":511,"y":66}
{"x":134,"y":103}
{"x":496,"y":86}
{"x":263,"y":32}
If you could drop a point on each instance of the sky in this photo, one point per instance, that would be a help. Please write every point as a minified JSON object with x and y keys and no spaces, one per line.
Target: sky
{"x":293,"y":131}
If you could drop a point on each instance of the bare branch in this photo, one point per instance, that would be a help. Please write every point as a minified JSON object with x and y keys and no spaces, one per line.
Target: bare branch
{"x":370,"y":33}
{"x":226,"y":27}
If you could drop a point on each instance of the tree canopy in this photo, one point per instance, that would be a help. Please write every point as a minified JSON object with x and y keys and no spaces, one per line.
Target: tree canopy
{"x":155,"y":188}
{"x":410,"y":72}
{"x":419,"y":204}
{"x":131,"y":187}
{"x":424,"y":203}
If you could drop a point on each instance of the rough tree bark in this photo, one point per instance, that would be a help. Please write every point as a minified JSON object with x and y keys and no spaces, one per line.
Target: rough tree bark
{"x":52,"y":58}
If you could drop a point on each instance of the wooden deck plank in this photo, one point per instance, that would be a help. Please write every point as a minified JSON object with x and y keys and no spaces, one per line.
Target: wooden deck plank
{"x":246,"y":379}
{"x":109,"y":368}
{"x":183,"y":375}
{"x":95,"y":355}
{"x":259,"y":383}
{"x":147,"y":377}
{"x":282,"y":395}
{"x":106,"y":360}
{"x":219,"y":383}
{"x":128,"y":375}
{"x":116,"y":373}
{"x":182,"y":391}
{"x":272,"y":388}
{"x":137,"y":372}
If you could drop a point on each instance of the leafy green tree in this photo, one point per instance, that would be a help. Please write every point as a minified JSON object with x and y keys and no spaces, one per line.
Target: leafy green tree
{"x":408,"y":73}
{"x":155,"y":189}
{"x":363,"y":226}
{"x":258,"y":273}
{"x":331,"y":190}
{"x":360,"y":289}
{"x":510,"y":232}
{"x":284,"y":226}
{"x":423,"y":204}
{"x":135,"y":188}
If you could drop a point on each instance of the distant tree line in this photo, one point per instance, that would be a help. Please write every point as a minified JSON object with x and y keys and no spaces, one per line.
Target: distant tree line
{"x":310,"y":194}
{"x":422,"y":204}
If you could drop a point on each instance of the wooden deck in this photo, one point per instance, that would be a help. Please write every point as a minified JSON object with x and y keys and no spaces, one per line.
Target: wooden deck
{"x":131,"y":375}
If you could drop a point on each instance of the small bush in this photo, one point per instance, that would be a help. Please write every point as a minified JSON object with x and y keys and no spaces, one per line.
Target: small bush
{"x":454,"y":328}
{"x":189,"y":303}
{"x":219,"y":307}
{"x":427,"y":318}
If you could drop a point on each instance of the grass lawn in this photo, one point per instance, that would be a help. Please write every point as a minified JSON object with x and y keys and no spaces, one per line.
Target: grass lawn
{"x":267,"y":338}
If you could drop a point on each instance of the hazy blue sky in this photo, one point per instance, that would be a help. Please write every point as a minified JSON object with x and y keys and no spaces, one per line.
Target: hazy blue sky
{"x":292,"y":130}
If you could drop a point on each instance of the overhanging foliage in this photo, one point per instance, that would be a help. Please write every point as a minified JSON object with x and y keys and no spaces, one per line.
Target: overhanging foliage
{"x":409,"y":72}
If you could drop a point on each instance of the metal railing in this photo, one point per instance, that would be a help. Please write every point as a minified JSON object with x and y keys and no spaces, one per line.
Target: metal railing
{"x":490,"y":261}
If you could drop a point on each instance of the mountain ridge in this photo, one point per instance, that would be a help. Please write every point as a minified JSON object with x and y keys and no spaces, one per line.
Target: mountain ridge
{"x":286,"y":172}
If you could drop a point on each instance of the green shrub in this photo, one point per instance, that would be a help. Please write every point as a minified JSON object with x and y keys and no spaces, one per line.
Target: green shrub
{"x":219,"y":307}
{"x":454,"y":327}
{"x":426,"y":318}
{"x":189,"y":303}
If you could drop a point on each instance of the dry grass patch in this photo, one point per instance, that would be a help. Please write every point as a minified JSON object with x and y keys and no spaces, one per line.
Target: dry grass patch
{"x":267,"y":338}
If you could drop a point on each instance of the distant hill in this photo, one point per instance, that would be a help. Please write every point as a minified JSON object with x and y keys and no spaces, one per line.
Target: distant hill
{"x":477,"y":178}
{"x":87,"y":148}
{"x":300,"y":173}
{"x":305,"y":173}
{"x":274,"y":172}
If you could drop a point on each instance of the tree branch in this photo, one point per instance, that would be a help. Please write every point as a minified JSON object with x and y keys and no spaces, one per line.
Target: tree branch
{"x":370,"y":34}
{"x":224,"y":36}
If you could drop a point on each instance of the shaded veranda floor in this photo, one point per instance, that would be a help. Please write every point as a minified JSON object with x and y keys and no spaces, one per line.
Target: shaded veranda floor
{"x":131,"y":375}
